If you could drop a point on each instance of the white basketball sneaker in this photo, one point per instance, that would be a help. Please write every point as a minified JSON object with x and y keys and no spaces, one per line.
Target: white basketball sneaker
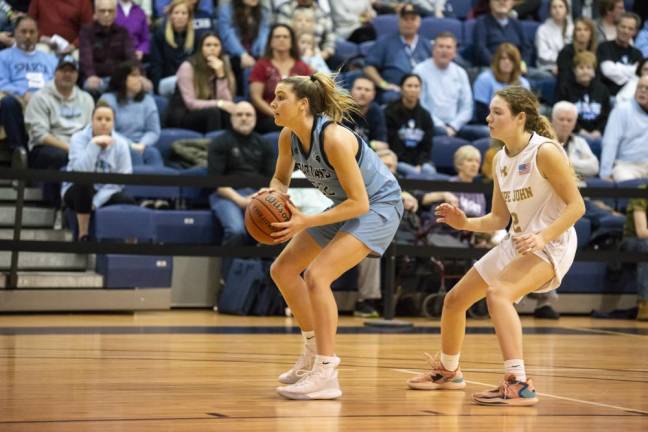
{"x":319,"y":383}
{"x":303,"y":364}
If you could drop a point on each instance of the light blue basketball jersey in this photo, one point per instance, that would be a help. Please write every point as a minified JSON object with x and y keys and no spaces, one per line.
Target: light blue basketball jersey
{"x":382,"y":186}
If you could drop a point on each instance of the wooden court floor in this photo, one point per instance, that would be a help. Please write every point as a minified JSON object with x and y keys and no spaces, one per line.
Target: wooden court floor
{"x":198,"y":371}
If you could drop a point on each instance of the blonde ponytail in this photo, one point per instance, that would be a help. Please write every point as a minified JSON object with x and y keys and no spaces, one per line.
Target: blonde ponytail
{"x":324,"y":95}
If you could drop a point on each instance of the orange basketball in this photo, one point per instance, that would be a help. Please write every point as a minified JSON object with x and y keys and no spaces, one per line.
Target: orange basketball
{"x":263,"y":210}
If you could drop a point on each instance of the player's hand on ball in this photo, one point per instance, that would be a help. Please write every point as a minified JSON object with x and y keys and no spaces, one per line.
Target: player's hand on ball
{"x":268,"y":190}
{"x":450,"y":215}
{"x":528,"y":243}
{"x":287,"y":230}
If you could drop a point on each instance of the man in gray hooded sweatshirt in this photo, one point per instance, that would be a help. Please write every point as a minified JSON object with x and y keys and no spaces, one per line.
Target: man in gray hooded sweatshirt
{"x":53,"y":115}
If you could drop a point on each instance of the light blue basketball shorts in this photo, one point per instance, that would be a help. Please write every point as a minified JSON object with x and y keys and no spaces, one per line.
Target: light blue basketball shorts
{"x":375,"y":229}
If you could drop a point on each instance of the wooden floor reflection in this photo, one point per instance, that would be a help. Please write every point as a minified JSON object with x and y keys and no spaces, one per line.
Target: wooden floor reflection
{"x":198,"y":371}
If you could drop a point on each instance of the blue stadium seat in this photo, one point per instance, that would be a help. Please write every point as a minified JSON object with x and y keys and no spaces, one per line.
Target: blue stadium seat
{"x":213,"y":134}
{"x":466,"y":41}
{"x":585,"y":277}
{"x":583,"y":229}
{"x":530,"y":28}
{"x":443,"y":151}
{"x":595,"y":182}
{"x":365,"y":47}
{"x":344,"y":50}
{"x":386,"y":24}
{"x":162,"y":103}
{"x":195,"y":195}
{"x":622,"y":203}
{"x":169,"y":135}
{"x":120,"y":222}
{"x":461,"y":7}
{"x":153,"y":191}
{"x":544,"y":10}
{"x":186,"y":226}
{"x":483,"y":144}
{"x":432,"y":26}
{"x":273,"y":138}
{"x":423,"y":176}
{"x":130,"y":271}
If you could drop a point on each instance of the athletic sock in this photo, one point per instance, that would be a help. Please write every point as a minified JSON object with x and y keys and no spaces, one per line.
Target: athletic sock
{"x":309,"y":341}
{"x":450,"y":362}
{"x":516,"y":367}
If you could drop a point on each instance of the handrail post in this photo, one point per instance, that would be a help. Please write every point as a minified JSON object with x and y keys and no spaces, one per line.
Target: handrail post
{"x":19,"y":161}
{"x":389,"y":306}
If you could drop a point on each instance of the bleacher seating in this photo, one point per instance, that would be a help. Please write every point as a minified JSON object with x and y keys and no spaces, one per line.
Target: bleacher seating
{"x":482,"y":145}
{"x":130,"y":271}
{"x":461,"y":7}
{"x":153,"y":192}
{"x":386,"y":24}
{"x":431,"y":26}
{"x":443,"y":151}
{"x":186,"y":226}
{"x":169,"y":135}
{"x":120,"y":222}
{"x":622,"y":203}
{"x":162,"y":104}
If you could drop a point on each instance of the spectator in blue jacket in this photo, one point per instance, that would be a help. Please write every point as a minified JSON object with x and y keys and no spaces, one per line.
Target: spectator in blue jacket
{"x":243,"y":26}
{"x":392,"y":57}
{"x":136,"y":115}
{"x":495,"y":28}
{"x":97,"y":148}
{"x":23,"y":71}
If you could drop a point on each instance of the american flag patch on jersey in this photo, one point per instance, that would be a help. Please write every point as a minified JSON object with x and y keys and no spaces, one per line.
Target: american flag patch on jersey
{"x":524,"y":168}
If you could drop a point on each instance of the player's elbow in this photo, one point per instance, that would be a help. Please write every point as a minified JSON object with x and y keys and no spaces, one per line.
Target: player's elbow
{"x":361,"y":206}
{"x":579,"y":207}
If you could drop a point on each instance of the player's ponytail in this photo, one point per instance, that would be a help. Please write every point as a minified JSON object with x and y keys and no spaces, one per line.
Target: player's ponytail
{"x":520,"y":100}
{"x":324,"y":95}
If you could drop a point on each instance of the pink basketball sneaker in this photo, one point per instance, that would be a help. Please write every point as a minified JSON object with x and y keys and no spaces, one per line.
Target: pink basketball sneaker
{"x":511,"y":392}
{"x":439,"y":378}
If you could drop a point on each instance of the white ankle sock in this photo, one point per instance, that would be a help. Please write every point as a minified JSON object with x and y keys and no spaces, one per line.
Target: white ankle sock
{"x":309,"y":341}
{"x":450,"y":362}
{"x":516,"y":367}
{"x":327,"y":361}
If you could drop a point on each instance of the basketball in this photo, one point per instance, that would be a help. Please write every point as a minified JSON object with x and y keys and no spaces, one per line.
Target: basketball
{"x":265,"y":209}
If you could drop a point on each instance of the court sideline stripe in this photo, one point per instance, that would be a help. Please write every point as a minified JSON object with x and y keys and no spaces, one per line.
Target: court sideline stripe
{"x":601,"y":331}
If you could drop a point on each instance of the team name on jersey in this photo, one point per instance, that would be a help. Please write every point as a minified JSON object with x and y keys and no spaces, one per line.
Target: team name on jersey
{"x":309,"y":171}
{"x":517,"y":195}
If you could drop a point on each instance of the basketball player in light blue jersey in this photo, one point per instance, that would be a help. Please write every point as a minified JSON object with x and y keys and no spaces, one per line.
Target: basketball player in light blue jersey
{"x":363,"y":220}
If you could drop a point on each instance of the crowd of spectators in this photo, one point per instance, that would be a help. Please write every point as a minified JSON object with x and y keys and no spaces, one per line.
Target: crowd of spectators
{"x":82,"y":83}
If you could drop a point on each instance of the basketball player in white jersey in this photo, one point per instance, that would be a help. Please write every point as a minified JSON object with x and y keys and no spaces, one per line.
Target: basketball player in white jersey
{"x":535,"y":189}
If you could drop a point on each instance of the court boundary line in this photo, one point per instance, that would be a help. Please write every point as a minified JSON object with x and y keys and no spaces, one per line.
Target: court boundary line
{"x":604,"y":332}
{"x":586,"y":402}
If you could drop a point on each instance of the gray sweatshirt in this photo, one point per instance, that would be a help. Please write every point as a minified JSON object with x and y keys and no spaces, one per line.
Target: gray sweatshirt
{"x":48,"y":113}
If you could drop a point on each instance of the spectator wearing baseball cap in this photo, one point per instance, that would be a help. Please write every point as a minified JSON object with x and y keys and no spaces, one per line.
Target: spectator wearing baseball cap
{"x":53,"y":115}
{"x":394,"y":56}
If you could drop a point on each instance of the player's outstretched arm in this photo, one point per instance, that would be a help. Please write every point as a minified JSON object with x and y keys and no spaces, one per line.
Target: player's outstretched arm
{"x":497,"y":219}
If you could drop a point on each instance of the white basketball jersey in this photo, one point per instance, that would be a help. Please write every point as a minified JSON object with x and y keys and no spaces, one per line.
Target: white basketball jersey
{"x":529,"y":197}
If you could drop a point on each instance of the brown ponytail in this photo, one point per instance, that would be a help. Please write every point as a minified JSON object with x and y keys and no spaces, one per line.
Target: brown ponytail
{"x":324,"y":95}
{"x":520,"y":100}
